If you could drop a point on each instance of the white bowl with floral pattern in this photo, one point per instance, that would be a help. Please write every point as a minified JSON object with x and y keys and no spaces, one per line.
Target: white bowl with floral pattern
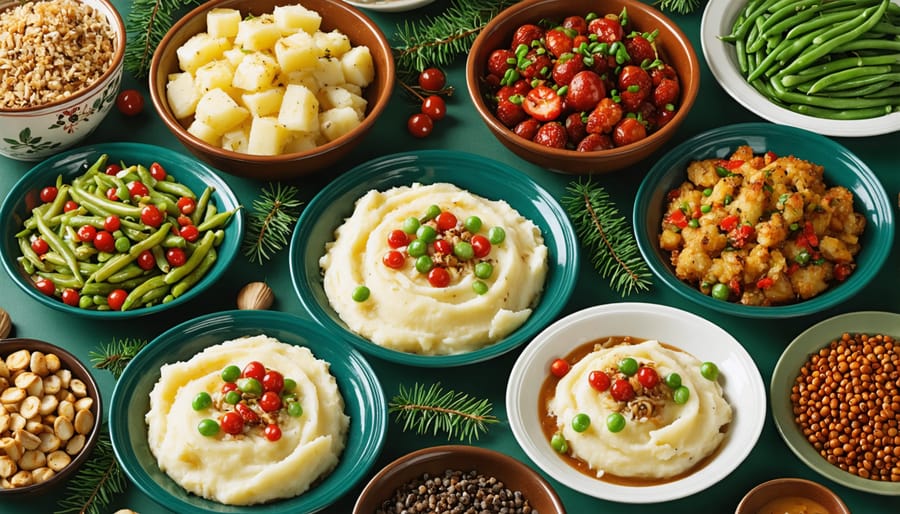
{"x":33,"y":133}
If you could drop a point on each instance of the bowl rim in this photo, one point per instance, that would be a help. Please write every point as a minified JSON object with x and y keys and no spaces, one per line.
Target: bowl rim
{"x":689,"y":95}
{"x":118,"y":27}
{"x":189,"y":166}
{"x":249,"y":322}
{"x":792,"y":481}
{"x":749,"y":418}
{"x":785,"y":371}
{"x":877,"y":252}
{"x":565,"y":274}
{"x":721,"y":59}
{"x":376,"y":107}
{"x":78,"y":370}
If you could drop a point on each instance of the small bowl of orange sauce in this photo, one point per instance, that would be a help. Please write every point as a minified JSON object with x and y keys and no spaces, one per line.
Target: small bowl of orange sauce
{"x":791,"y":496}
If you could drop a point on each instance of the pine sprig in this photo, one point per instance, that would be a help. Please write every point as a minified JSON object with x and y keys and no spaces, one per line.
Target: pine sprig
{"x":145,"y":26}
{"x":270,"y":225}
{"x":438,"y":40}
{"x":435,"y":410}
{"x":116,"y":354}
{"x":608,"y":237}
{"x":679,"y":6}
{"x":92,"y":489}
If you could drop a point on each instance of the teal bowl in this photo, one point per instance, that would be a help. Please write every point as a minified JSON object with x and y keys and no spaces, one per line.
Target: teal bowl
{"x":364,"y":400}
{"x":474,"y":173}
{"x":842,"y":167}
{"x":192,"y":173}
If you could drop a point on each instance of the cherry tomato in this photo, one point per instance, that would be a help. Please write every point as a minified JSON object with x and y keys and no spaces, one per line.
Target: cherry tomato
{"x":136,"y":188}
{"x":273,"y":381}
{"x":70,"y":297}
{"x":559,"y":368}
{"x":232,"y":423}
{"x":481,"y":246}
{"x":70,"y":206}
{"x":189,"y":233}
{"x":648,"y":377}
{"x":48,"y":194}
{"x":439,"y":277}
{"x":446,"y":220}
{"x":146,"y":261}
{"x":599,"y":380}
{"x":112,"y":194}
{"x":254,"y":369}
{"x":104,"y":241}
{"x":432,"y":79}
{"x":40,"y":246}
{"x":443,"y":247}
{"x":270,"y":401}
{"x":150,"y":215}
{"x":227,"y":387}
{"x":420,"y":125}
{"x":130,"y":102}
{"x":272,"y":432}
{"x":393,"y":259}
{"x":112,"y":223}
{"x":186,"y":205}
{"x":112,"y":169}
{"x":45,"y":285}
{"x":116,"y":298}
{"x":539,"y":65}
{"x":621,"y":390}
{"x":176,"y":257}
{"x":86,"y":233}
{"x":543,"y":104}
{"x":434,"y":107}
{"x":247,"y":414}
{"x":576,"y":23}
{"x":565,"y":69}
{"x":157,"y":171}
{"x":397,"y":238}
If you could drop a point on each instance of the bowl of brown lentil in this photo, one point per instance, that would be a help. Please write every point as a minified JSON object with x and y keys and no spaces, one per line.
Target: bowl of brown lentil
{"x":474,"y":479}
{"x":835,"y":395}
{"x":60,"y":70}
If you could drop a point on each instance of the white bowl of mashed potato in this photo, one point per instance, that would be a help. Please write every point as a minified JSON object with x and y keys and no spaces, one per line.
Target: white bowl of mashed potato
{"x":311,"y":431}
{"x":635,"y":402}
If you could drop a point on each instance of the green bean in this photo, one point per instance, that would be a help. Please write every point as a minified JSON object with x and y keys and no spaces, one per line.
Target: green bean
{"x":841,"y":114}
{"x":93,"y":169}
{"x":789,"y":97}
{"x":843,"y":75}
{"x":857,"y":92}
{"x":58,"y":260}
{"x":60,"y":279}
{"x":813,"y":72}
{"x":200,"y":205}
{"x":79,"y":220}
{"x":151,"y":297}
{"x":819,"y":22}
{"x":892,"y":45}
{"x":128,"y":272}
{"x":779,"y":26}
{"x":176,"y":189}
{"x":783,"y":10}
{"x":206,"y":244}
{"x":57,"y":244}
{"x":121,"y":260}
{"x":173,"y":241}
{"x":103,"y":206}
{"x":31,"y":256}
{"x":138,"y":292}
{"x":193,"y":277}
{"x":211,"y":211}
{"x":888,"y":91}
{"x":145,"y":175}
{"x":56,"y":206}
{"x":27,"y":265}
{"x":216,"y":221}
{"x":741,"y":29}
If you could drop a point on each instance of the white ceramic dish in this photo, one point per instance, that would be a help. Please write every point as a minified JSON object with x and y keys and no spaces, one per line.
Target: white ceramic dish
{"x":739,"y":376}
{"x":718,"y":18}
{"x":389,"y":5}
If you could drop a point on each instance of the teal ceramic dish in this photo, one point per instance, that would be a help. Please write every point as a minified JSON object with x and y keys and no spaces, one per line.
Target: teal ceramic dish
{"x":842,"y":167}
{"x":476,"y":174}
{"x":364,"y":399}
{"x":787,"y":368}
{"x":188,"y":171}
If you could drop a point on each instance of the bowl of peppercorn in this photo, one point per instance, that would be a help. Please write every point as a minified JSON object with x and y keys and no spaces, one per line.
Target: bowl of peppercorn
{"x":582,"y":87}
{"x":453,"y":475}
{"x":850,"y":438}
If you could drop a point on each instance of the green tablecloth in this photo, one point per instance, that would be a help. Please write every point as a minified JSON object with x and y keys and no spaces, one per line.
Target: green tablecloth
{"x":462,"y":130}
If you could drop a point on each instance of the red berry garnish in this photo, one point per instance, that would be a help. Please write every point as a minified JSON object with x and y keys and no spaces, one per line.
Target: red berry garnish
{"x":397,"y":238}
{"x":559,"y":368}
{"x":112,"y":223}
{"x":481,"y":245}
{"x":270,"y":401}
{"x":112,"y":169}
{"x":599,"y":380}
{"x":189,"y":233}
{"x":186,"y":205}
{"x":70,"y":206}
{"x":136,"y":188}
{"x":621,"y":390}
{"x":272,"y":432}
{"x":227,"y":387}
{"x":254,"y":369}
{"x":442,"y":246}
{"x":232,"y":423}
{"x":420,"y":125}
{"x":273,"y":381}
{"x":434,"y":107}
{"x":439,"y":277}
{"x":150,"y":215}
{"x":393,"y":259}
{"x":445,"y":221}
{"x":647,"y":376}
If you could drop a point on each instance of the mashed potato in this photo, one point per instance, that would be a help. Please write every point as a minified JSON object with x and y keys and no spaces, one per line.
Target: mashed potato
{"x":660,"y":438}
{"x":246,"y":468}
{"x":405,"y":310}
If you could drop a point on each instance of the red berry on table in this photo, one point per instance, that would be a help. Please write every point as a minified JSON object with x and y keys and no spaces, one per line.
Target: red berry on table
{"x":599,"y":380}
{"x":45,"y":285}
{"x":621,"y":390}
{"x":254,"y":369}
{"x":434,"y":107}
{"x":116,"y":298}
{"x":543,"y":104}
{"x":420,"y":125}
{"x":40,"y":246}
{"x":559,"y":368}
{"x":551,"y":134}
{"x":130,"y":102}
{"x":232,"y":423}
{"x":272,"y":432}
{"x":48,"y":194}
{"x":432,"y":79}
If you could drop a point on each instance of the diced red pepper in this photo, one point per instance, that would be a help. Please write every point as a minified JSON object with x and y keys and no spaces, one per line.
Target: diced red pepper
{"x":793,"y":268}
{"x":731,"y":164}
{"x":764,"y":283}
{"x":729,"y":222}
{"x":770,"y":156}
{"x":842,"y":271}
{"x":735,"y":286}
{"x":678,"y":218}
{"x":673,"y":194}
{"x":809,"y":232}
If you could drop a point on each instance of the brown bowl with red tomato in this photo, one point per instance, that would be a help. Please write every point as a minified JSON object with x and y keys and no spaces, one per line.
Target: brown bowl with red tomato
{"x":580,"y":86}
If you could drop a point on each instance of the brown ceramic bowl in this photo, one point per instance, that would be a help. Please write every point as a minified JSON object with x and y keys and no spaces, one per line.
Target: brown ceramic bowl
{"x":673,"y":47}
{"x":335,"y":15}
{"x":515,"y":475}
{"x":800,"y":488}
{"x":70,"y":362}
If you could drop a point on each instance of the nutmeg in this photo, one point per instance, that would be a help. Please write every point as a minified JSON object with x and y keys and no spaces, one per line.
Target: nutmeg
{"x":5,"y":323}
{"x":255,"y":296}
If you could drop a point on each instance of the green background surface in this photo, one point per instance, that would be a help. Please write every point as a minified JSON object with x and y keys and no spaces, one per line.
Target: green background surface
{"x":462,"y":130}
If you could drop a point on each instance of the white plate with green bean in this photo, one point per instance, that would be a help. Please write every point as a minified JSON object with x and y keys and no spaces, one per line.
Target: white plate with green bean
{"x":827,"y":67}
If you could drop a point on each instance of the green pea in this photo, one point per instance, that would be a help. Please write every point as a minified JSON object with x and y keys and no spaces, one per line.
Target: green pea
{"x":417,"y":248}
{"x":202,"y":401}
{"x":431,"y":212}
{"x":289,"y":385}
{"x":694,"y":223}
{"x":484,"y":270}
{"x":709,"y":370}
{"x":705,"y":208}
{"x":558,"y":443}
{"x":424,"y":264}
{"x":496,"y":235}
{"x":463,"y":250}
{"x":681,"y":395}
{"x":615,"y":422}
{"x":410,"y":225}
{"x":472,"y":224}
{"x":294,"y":409}
{"x":628,"y":366}
{"x":673,"y":380}
{"x":85,"y":302}
{"x":707,"y":192}
{"x":249,"y":385}
{"x":232,"y":397}
{"x":231,"y":373}
{"x":426,"y":233}
{"x":123,"y":244}
{"x":581,"y":422}
{"x":802,"y":258}
{"x":361,"y":294}
{"x":479,"y":287}
{"x":208,"y":427}
{"x":720,"y":292}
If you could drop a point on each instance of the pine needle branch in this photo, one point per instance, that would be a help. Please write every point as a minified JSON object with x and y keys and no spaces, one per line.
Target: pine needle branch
{"x":435,"y":410}
{"x":115,"y":355}
{"x":608,"y":237}
{"x":678,"y":6}
{"x":272,"y":221}
{"x":145,"y":26}
{"x":93,"y":487}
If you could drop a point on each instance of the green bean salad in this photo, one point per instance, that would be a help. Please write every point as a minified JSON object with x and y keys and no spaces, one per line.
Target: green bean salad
{"x":120,"y":237}
{"x":832,"y":59}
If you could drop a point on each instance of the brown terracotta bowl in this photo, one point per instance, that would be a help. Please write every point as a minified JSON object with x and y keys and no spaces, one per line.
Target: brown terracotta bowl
{"x":436,"y":460}
{"x":335,"y":15}
{"x":78,"y":370}
{"x":673,"y":47}
{"x":769,"y":491}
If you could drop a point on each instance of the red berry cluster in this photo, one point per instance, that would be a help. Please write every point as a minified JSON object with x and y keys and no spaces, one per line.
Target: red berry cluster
{"x":432,"y":81}
{"x":587,"y":83}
